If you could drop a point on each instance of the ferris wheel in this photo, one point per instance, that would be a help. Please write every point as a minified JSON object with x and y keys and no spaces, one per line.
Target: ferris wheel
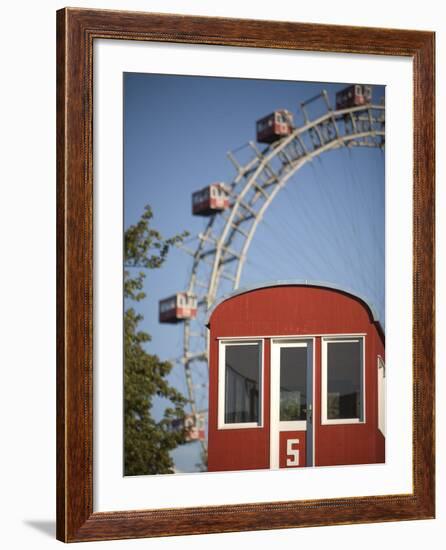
{"x":235,"y":210}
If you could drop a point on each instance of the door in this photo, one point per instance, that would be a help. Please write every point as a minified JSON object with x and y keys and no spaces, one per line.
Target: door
{"x":292,"y":375}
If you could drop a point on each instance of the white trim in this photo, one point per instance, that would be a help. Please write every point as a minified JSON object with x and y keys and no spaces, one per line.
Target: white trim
{"x":276,"y":426}
{"x":333,"y":421}
{"x":239,"y":426}
{"x":291,"y":337}
{"x":292,"y":342}
{"x":221,"y":424}
{"x":339,"y":339}
{"x":381,"y":385}
{"x":292,"y":425}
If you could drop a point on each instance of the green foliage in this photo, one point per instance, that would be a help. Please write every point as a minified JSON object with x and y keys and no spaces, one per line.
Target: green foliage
{"x":146,"y":442}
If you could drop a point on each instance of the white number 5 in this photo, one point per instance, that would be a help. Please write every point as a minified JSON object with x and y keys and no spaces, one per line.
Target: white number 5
{"x":292,"y":454}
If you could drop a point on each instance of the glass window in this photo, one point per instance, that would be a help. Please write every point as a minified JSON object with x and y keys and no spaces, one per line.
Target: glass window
{"x":167,"y":305}
{"x":242,"y":383}
{"x":344,"y":380}
{"x":293,"y":383}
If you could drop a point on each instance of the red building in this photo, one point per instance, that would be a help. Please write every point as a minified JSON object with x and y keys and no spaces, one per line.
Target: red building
{"x":297,"y":378}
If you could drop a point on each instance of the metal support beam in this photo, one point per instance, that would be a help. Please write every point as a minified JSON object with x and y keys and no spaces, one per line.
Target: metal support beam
{"x":234,"y":161}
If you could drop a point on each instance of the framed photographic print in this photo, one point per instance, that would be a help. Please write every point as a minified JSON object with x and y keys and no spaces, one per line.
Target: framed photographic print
{"x":245,"y":275}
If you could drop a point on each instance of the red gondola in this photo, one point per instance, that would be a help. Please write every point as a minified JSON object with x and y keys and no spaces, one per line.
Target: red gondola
{"x":194,"y":426}
{"x":178,"y":307}
{"x":209,"y":200}
{"x":274,"y":126}
{"x":353,"y":96}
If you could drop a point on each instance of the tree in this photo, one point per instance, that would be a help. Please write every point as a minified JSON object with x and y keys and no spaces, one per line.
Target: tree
{"x":147,"y":442}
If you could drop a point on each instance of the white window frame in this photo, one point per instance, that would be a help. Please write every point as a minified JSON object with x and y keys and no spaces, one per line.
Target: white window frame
{"x":222,"y":425}
{"x":381,"y":384}
{"x":284,"y":425}
{"x":324,"y":343}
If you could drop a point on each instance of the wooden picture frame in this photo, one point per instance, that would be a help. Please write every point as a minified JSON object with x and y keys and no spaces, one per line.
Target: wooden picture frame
{"x":77,"y":29}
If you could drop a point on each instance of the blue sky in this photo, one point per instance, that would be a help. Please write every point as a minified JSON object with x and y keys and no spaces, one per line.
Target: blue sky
{"x":327,"y":224}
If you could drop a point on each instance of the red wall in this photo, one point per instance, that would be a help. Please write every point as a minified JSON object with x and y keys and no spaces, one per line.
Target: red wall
{"x":294,"y":310}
